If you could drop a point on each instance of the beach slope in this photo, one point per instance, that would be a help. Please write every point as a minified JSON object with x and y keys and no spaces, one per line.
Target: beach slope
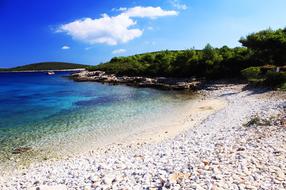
{"x":238,"y":144}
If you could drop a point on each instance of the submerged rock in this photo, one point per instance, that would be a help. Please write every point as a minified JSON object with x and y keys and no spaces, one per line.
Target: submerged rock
{"x":21,"y":150}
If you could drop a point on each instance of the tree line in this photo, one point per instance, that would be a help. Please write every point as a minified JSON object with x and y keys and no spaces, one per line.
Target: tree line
{"x":261,"y":58}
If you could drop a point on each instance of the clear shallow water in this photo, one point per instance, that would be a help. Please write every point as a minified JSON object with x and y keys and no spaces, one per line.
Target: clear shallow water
{"x":52,"y":114}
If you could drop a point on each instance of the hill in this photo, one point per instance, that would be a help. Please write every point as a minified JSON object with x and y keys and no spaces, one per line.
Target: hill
{"x":209,"y":62}
{"x":262,"y":59}
{"x":47,"y":66}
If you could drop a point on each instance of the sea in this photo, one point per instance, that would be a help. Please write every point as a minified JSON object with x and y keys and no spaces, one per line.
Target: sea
{"x":49,"y":116}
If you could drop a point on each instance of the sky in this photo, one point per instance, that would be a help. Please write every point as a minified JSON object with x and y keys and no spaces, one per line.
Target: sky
{"x":94,"y":31}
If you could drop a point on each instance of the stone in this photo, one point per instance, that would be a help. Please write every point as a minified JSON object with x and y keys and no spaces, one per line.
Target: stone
{"x":109,"y":179}
{"x":173,"y":178}
{"x":206,"y":162}
{"x":178,"y":176}
{"x":240,"y":149}
{"x":87,"y":188}
{"x":94,"y":178}
{"x":160,"y":82}
{"x":21,"y":150}
{"x":280,"y":174}
{"x":250,"y":187}
{"x":197,"y":186}
{"x":47,"y":187}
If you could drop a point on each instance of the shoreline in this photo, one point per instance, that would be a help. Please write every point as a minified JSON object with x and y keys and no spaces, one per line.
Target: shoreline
{"x":196,"y":110}
{"x":208,"y":153}
{"x":162,"y":83}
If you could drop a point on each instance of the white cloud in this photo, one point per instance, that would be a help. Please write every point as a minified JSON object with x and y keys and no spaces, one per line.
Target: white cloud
{"x":65,"y":47}
{"x":119,"y":9}
{"x":150,"y":12}
{"x":122,"y":9}
{"x":105,"y":30}
{"x":112,"y":30}
{"x":119,"y":51}
{"x":178,"y":5}
{"x":150,"y":28}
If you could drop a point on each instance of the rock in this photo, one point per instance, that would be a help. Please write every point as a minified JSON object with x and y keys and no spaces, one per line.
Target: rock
{"x":87,"y":188}
{"x":174,"y":177}
{"x":250,"y":187}
{"x":178,"y":176}
{"x":206,"y":162}
{"x":109,"y":179}
{"x":161,"y":82}
{"x":21,"y":150}
{"x":207,"y":167}
{"x":197,"y":186}
{"x":241,"y":149}
{"x":36,"y":183}
{"x":46,"y":187}
{"x":94,"y":178}
{"x":280,"y":174}
{"x":167,"y":185}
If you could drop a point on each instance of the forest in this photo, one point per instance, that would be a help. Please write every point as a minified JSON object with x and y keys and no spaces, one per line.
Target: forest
{"x":261,"y":59}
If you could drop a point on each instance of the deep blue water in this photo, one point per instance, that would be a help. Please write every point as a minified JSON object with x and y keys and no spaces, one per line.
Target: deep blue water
{"x":31,"y":97}
{"x":53,"y":112}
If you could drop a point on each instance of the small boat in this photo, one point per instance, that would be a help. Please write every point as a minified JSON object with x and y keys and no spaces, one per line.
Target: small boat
{"x":51,"y":73}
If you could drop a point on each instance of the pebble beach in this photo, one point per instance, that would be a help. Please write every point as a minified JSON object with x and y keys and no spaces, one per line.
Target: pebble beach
{"x":236,"y":139}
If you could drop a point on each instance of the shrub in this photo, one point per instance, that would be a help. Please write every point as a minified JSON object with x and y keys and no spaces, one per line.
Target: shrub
{"x":257,"y":121}
{"x":283,"y":86}
{"x":252,"y":122}
{"x":275,"y":79}
{"x":251,"y":72}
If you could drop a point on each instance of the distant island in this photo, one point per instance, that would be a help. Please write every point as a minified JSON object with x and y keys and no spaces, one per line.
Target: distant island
{"x":46,"y":66}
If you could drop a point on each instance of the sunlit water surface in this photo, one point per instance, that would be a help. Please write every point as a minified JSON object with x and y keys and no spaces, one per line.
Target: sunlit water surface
{"x":54,"y":115}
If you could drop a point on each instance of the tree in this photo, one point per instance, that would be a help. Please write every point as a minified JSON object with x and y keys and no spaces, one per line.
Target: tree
{"x":268,"y":46}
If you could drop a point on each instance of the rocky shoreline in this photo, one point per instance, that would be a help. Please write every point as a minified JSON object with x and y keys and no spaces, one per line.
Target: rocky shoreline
{"x":159,"y":82}
{"x":241,"y":146}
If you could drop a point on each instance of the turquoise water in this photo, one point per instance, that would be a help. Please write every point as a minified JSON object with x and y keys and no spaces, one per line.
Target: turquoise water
{"x":53,"y":114}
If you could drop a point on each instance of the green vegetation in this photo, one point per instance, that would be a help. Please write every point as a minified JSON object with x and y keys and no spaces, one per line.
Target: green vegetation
{"x":257,"y":121}
{"x":267,"y":46}
{"x":266,"y":75}
{"x":251,"y":72}
{"x":46,"y":66}
{"x":254,"y":121}
{"x":261,"y":60}
{"x":209,"y":62}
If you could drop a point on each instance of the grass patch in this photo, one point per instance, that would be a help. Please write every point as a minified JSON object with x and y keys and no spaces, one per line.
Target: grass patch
{"x":252,"y":122}
{"x":257,"y":121}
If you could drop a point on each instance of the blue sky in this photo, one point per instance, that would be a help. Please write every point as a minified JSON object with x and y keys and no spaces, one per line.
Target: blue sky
{"x":93,"y":31}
